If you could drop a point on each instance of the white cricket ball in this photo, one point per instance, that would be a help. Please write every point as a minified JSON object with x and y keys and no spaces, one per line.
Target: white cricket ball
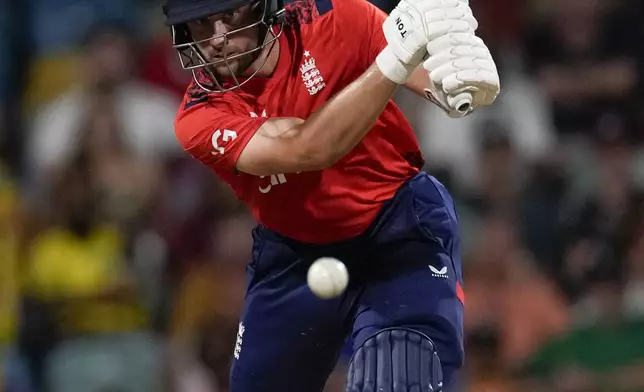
{"x":327,"y":277}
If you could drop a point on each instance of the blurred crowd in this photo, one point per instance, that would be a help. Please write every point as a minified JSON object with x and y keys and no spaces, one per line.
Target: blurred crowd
{"x":122,"y":260}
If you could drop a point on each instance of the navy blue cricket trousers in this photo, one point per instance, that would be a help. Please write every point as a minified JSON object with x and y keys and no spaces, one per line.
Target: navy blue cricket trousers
{"x":405,"y":271}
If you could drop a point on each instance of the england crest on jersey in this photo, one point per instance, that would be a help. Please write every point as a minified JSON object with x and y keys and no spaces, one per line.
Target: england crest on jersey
{"x":313,"y":80}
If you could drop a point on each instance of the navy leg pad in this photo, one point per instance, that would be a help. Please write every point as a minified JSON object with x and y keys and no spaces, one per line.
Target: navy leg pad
{"x":395,"y":360}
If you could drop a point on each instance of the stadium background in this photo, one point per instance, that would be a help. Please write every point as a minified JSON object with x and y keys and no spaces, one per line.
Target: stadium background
{"x":122,"y":260}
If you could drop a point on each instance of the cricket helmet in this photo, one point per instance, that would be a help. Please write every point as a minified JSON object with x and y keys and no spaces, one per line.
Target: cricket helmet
{"x":270,"y":20}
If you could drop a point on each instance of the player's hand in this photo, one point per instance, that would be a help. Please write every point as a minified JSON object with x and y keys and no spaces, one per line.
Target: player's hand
{"x":462,"y":73}
{"x":412,"y":25}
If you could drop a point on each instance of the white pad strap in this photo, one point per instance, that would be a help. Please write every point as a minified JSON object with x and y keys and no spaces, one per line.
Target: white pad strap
{"x":391,"y":66}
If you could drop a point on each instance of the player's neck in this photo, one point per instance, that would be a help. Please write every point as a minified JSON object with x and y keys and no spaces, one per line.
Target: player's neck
{"x":267,"y":60}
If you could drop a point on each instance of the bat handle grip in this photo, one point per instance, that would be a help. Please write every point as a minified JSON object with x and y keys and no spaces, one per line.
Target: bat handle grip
{"x":464,"y":102}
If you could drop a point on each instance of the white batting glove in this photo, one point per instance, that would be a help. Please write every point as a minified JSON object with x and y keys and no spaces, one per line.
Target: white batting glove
{"x":462,"y":73}
{"x":412,"y":25}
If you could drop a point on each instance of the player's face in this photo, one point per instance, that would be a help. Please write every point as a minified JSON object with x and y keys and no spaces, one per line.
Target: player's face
{"x":220,"y":40}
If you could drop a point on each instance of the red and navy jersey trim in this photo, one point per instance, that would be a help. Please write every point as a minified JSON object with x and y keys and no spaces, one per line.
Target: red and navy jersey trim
{"x":196,"y":94}
{"x":300,"y":12}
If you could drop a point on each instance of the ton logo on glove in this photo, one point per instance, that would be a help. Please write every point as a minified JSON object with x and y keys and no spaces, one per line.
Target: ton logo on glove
{"x":401,"y":27}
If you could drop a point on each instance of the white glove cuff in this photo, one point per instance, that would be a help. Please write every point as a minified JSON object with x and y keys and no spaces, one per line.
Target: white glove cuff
{"x":391,"y":66}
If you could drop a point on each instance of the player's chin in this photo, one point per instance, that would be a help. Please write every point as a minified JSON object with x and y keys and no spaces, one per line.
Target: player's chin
{"x":227,"y":70}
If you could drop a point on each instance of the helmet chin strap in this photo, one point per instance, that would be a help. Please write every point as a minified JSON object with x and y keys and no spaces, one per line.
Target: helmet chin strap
{"x":262,"y":37}
{"x":265,"y":31}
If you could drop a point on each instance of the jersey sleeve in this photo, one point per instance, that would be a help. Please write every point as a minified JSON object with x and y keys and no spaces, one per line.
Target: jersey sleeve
{"x":214,"y":137}
{"x":362,"y":21}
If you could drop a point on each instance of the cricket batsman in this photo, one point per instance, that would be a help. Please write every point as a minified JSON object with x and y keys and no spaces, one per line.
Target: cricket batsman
{"x":291,"y":106}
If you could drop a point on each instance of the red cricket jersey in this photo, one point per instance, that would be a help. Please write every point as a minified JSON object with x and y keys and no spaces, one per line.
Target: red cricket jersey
{"x":326,"y":45}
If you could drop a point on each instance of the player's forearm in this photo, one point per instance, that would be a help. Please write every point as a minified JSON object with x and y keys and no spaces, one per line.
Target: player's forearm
{"x":335,"y":129}
{"x":419,"y":81}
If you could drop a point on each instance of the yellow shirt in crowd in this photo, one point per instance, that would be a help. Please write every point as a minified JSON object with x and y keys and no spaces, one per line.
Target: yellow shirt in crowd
{"x":73,"y":272}
{"x":8,"y":291}
{"x":9,"y":286}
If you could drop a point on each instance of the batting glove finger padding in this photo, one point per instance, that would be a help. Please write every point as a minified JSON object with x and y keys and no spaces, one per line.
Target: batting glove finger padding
{"x":461,"y":63}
